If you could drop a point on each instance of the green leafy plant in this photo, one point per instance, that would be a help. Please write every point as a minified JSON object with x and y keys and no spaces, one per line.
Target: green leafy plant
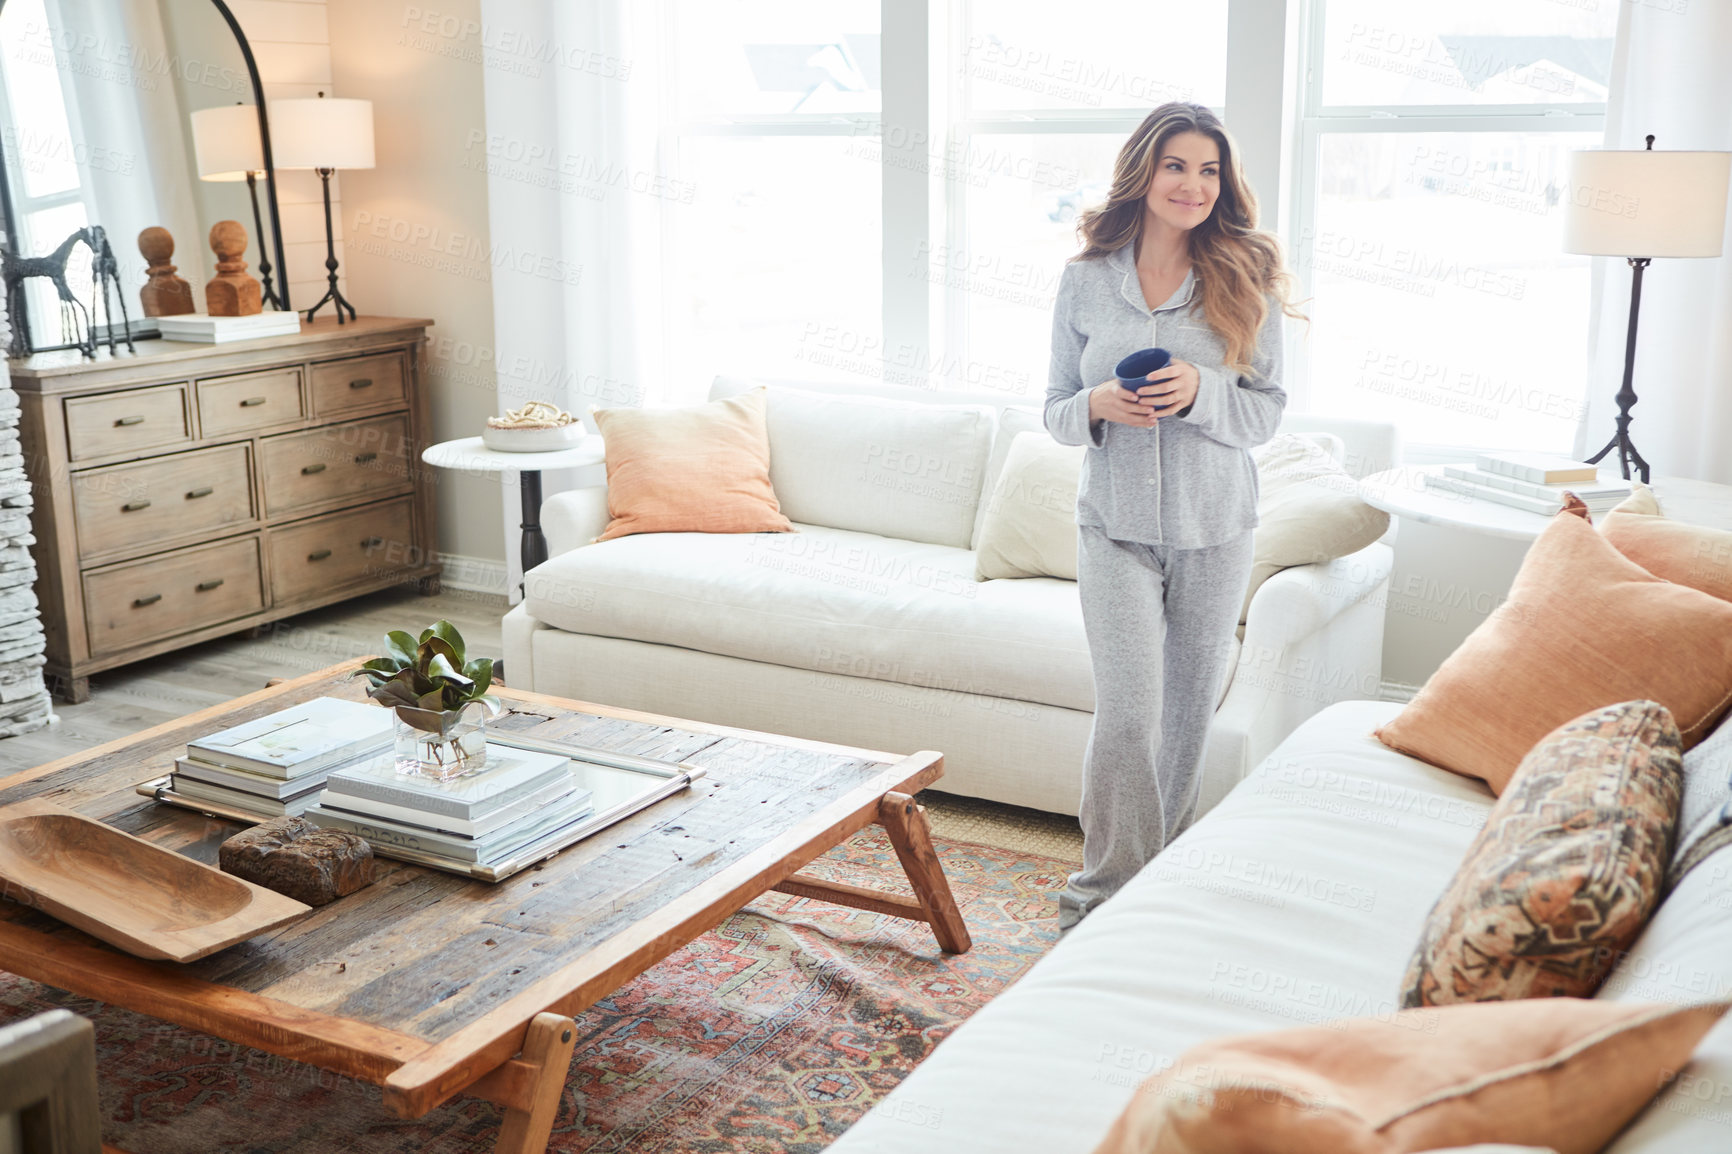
{"x":427,"y":680}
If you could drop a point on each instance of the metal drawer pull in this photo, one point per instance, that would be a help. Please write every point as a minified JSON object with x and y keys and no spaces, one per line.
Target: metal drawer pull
{"x":309,"y":469}
{"x":202,"y":491}
{"x":130,"y":421}
{"x":251,"y":401}
{"x":361,"y":383}
{"x":207,"y":586}
{"x":372,"y":542}
{"x":320,"y":555}
{"x":363,"y":458}
{"x":134,"y":506}
{"x":141,"y":602}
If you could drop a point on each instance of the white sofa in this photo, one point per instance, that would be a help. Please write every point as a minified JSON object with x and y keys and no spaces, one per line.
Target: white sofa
{"x":868,"y":628}
{"x":1296,"y":901}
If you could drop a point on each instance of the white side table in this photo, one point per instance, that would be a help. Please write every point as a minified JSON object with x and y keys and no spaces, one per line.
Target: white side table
{"x":1456,"y":555}
{"x":469,"y":455}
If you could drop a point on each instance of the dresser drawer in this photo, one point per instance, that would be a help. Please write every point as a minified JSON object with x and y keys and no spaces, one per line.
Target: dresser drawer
{"x":250,"y":401}
{"x":175,"y":593}
{"x":340,"y":548}
{"x":362,"y":383}
{"x":353,"y":461}
{"x":162,"y":499}
{"x":126,"y":422}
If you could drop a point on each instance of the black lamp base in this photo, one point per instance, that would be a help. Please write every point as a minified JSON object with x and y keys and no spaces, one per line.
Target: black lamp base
{"x":1626,"y":397}
{"x":1627,"y":454}
{"x":331,"y":294}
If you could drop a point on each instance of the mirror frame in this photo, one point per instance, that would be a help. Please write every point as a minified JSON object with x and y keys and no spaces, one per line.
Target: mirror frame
{"x":270,"y":182}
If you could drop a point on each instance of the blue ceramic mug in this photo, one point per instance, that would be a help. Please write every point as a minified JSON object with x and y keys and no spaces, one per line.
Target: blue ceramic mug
{"x":1133,"y":371}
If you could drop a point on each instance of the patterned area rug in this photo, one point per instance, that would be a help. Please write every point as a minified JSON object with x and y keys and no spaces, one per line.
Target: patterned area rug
{"x":771,"y":1034}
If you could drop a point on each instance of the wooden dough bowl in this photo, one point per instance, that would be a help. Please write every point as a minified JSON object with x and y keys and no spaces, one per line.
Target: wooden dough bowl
{"x":138,"y":897}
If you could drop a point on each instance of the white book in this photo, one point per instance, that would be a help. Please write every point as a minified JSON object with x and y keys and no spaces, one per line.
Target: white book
{"x":1586,"y":490}
{"x":511,"y":774}
{"x":1542,"y":468}
{"x":1544,"y":506}
{"x":219,"y":330}
{"x":497,"y":847}
{"x":365,"y":807}
{"x":243,"y":781}
{"x":301,"y":739}
{"x":250,"y":802}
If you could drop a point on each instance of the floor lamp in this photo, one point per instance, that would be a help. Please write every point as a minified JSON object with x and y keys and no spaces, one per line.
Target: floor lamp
{"x":324,"y":135}
{"x":1621,"y":203}
{"x":225,"y":144}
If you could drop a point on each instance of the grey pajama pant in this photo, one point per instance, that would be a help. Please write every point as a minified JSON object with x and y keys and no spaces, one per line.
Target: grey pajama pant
{"x":1160,"y":625}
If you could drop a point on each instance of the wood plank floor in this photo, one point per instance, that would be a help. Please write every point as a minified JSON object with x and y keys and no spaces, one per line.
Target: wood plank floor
{"x":135,"y":697}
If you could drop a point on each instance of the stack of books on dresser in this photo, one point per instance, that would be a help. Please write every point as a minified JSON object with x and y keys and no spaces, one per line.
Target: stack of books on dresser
{"x":485,"y":819}
{"x":277,"y":764}
{"x":1532,"y":481}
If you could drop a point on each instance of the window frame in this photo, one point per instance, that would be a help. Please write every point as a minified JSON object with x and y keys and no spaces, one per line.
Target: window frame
{"x":1313,"y":119}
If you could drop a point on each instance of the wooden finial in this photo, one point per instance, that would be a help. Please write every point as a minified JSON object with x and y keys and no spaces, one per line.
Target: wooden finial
{"x":231,"y":293}
{"x":164,"y":294}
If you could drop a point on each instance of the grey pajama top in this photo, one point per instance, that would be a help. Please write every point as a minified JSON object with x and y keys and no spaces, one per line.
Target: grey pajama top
{"x":1189,"y":482}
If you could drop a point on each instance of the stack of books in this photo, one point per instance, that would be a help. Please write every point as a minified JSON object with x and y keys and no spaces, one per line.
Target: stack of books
{"x":1531,"y":481}
{"x":220,"y":330}
{"x":485,"y":819}
{"x":277,"y":764}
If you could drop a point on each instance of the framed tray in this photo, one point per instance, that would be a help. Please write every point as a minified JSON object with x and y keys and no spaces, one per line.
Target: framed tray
{"x":138,"y":897}
{"x":621,"y":784}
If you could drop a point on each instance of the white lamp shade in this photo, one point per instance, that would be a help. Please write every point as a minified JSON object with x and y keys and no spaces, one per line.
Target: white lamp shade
{"x":1646,"y":203}
{"x":321,"y":133}
{"x":225,"y":141}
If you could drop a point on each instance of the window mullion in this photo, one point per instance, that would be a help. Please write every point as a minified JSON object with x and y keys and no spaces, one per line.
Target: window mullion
{"x":905,"y":149}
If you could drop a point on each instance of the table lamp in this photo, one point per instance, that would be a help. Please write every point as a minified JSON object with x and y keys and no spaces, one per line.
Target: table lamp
{"x":1624,"y":203}
{"x":225,"y":143}
{"x":324,"y":135}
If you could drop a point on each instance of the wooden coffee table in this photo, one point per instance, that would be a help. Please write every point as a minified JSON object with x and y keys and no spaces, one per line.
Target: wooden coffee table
{"x":430,"y":984}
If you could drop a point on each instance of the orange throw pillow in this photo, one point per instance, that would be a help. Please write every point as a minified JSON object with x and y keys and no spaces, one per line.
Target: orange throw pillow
{"x":1583,"y":627}
{"x":1691,"y":555}
{"x":1560,"y":1073}
{"x":699,"y":469}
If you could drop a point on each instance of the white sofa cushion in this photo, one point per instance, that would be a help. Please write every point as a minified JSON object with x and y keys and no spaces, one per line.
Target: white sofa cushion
{"x":898,"y":468}
{"x":1685,"y":956}
{"x":1030,"y":525}
{"x":1295,"y":902}
{"x":828,"y":599}
{"x":1012,"y":419}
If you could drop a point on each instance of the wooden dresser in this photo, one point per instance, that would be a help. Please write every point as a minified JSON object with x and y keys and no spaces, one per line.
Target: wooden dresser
{"x":194,"y":490}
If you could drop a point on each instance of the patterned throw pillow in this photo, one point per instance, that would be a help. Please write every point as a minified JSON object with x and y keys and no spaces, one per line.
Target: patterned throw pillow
{"x":1569,"y":866}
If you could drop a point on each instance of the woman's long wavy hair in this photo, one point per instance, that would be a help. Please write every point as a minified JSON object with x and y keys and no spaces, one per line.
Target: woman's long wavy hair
{"x":1236,"y":263}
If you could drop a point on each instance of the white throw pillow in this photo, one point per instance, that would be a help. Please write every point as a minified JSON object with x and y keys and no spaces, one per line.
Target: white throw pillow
{"x":1308,"y":510}
{"x":1030,"y":525}
{"x":896,"y":468}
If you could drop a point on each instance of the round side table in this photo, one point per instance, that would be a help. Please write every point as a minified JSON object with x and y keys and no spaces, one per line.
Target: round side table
{"x":469,"y":455}
{"x":1456,"y":555}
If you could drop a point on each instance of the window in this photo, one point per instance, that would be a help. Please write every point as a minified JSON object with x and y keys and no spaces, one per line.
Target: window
{"x":43,"y":162}
{"x":774,"y":265}
{"x":890,"y":195}
{"x":1432,"y":152}
{"x":1039,"y":104}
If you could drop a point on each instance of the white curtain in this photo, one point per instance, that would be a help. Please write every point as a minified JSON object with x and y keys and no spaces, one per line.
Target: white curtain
{"x":134,"y":119}
{"x":1670,"y":78}
{"x":572,"y":133}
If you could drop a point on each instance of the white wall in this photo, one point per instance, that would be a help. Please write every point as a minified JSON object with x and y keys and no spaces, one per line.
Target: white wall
{"x":411,"y":233}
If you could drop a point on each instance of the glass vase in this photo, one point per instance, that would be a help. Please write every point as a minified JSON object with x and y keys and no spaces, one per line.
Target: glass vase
{"x":453,"y":744}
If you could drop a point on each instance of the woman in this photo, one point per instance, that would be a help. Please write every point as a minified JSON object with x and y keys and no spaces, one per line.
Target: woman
{"x":1169,"y":492}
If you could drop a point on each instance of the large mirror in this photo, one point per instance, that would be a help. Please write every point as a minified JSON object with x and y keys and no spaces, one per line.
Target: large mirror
{"x":113,"y":114}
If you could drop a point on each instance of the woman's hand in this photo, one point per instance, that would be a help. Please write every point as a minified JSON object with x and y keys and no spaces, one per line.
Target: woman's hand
{"x":1174,"y":387}
{"x":1169,"y":390}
